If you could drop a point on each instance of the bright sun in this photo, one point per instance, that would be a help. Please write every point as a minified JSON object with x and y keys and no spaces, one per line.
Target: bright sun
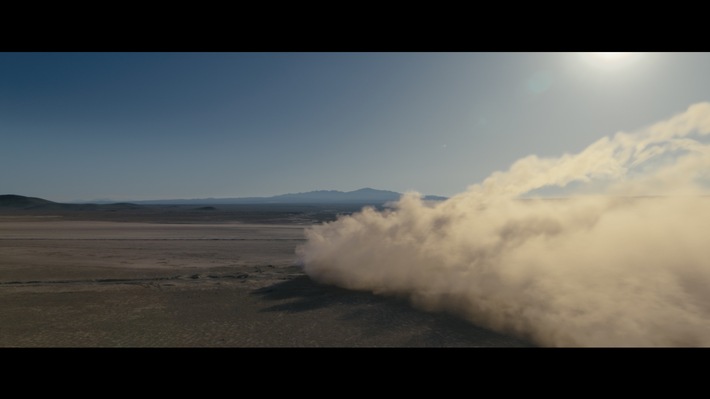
{"x":610,"y":60}
{"x":611,"y":57}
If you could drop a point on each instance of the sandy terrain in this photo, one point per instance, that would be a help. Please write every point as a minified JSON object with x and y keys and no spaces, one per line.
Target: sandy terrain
{"x":76,"y":283}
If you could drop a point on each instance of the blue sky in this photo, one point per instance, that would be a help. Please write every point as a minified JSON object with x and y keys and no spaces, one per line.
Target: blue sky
{"x":122,"y":126}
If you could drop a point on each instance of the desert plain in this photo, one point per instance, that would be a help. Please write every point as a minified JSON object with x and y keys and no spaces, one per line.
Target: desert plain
{"x":194,"y":277}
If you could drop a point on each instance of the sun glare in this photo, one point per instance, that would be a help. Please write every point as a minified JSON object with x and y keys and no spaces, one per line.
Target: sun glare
{"x":610,"y":60}
{"x":611,"y":57}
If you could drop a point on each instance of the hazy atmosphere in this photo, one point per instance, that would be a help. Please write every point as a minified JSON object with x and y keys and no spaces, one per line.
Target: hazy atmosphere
{"x":550,"y":199}
{"x":130,"y":126}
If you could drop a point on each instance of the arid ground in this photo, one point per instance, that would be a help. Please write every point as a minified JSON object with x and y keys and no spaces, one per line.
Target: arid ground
{"x":91,"y":281}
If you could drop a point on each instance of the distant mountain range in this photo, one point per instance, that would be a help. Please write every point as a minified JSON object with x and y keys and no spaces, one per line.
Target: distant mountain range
{"x":361,"y":196}
{"x":365,"y":196}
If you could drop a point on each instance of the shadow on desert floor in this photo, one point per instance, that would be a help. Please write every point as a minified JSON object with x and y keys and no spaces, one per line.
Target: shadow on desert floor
{"x":375,"y":320}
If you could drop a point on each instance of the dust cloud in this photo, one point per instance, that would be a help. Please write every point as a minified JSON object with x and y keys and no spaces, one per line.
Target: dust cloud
{"x":622,"y":259}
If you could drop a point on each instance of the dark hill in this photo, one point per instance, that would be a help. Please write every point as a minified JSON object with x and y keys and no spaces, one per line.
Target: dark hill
{"x":22,"y":202}
{"x":15,"y":202}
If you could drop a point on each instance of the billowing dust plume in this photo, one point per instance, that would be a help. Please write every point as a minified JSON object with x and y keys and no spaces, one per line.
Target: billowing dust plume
{"x":622,"y":261}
